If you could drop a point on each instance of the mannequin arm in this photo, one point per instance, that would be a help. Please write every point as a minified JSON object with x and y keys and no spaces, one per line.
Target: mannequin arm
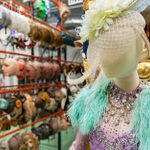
{"x":80,"y":142}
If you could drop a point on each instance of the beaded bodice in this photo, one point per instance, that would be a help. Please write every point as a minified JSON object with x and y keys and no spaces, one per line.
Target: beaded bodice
{"x":124,"y":119}
{"x":114,"y":131}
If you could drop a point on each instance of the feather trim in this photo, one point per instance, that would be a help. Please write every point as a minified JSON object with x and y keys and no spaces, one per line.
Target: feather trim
{"x":89,"y":105}
{"x":141,"y":119}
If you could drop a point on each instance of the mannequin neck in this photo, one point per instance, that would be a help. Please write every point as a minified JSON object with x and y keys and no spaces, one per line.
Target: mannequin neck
{"x":128,"y":83}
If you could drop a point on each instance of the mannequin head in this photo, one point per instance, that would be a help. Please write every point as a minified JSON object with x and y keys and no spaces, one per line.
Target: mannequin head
{"x":30,"y":70}
{"x":45,"y":65}
{"x":125,"y":64}
{"x":15,"y":142}
{"x":36,"y":65}
{"x":118,"y":49}
{"x":4,"y":145}
{"x":30,"y":140}
{"x":10,"y":67}
{"x":56,"y":70}
{"x":29,"y":108}
{"x":64,"y":12}
{"x":116,"y":46}
{"x":22,"y":69}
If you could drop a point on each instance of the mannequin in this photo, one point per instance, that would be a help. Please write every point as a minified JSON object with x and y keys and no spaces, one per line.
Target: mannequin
{"x":31,"y":71}
{"x":30,"y":141}
{"x":123,"y":70}
{"x":112,"y":113}
{"x":22,"y":69}
{"x":10,"y":67}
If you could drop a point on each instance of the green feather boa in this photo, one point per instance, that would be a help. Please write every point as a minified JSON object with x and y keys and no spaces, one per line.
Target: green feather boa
{"x":90,"y":104}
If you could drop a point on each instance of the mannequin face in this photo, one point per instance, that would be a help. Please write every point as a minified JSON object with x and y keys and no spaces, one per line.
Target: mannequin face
{"x":124,"y":65}
{"x":30,"y":71}
{"x":22,"y":69}
{"x":30,"y":140}
{"x":10,"y":67}
{"x":4,"y":145}
{"x":37,"y":69}
{"x":29,"y":143}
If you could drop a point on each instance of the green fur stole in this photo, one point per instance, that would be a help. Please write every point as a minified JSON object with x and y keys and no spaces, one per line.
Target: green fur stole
{"x":90,"y":104}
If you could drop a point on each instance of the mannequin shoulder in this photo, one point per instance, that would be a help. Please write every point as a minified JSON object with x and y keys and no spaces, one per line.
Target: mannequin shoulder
{"x":88,"y":107}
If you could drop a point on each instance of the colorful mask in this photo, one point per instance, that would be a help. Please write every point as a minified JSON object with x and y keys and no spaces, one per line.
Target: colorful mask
{"x":41,"y":9}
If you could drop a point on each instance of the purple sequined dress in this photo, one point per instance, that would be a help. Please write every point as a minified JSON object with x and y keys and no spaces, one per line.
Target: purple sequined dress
{"x":99,"y":141}
{"x":108,"y":136}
